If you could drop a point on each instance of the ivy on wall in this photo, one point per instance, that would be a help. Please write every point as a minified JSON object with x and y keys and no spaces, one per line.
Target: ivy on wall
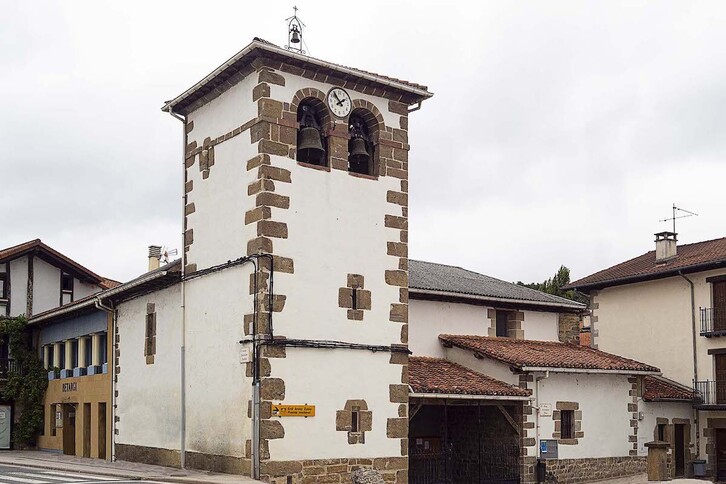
{"x":26,"y":383}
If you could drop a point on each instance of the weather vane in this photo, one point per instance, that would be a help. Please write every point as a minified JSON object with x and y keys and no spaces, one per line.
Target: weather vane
{"x":295,"y":33}
{"x":686,"y":213}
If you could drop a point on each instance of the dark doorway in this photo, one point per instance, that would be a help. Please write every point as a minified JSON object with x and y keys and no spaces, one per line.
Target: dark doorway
{"x":720,"y":378}
{"x":69,"y":429}
{"x":102,"y":431}
{"x":720,"y":454}
{"x":86,"y":430}
{"x":459,"y":442}
{"x":679,"y":442}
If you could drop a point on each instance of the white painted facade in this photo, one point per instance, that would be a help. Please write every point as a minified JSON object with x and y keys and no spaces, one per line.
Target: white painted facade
{"x":148,"y":395}
{"x":650,"y":411}
{"x":429,"y":319}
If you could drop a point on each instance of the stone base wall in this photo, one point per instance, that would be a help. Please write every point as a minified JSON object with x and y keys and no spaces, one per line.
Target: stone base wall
{"x":570,"y":471}
{"x":392,"y":469}
{"x":193,"y":460}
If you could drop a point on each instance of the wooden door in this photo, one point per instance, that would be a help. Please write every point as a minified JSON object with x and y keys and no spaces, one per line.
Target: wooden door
{"x":719,"y":305}
{"x":721,"y":454}
{"x":720,"y":378}
{"x":679,"y":442}
{"x":69,"y":429}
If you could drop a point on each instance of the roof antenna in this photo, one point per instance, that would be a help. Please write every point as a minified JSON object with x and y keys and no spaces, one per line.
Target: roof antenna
{"x":676,"y":216}
{"x":295,"y":33}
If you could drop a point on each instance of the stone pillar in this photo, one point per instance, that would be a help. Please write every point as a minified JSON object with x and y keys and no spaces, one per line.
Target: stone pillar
{"x":658,"y":460}
{"x":82,"y":351}
{"x":68,"y":364}
{"x":56,"y":355}
{"x":46,"y":355}
{"x":96,"y":349}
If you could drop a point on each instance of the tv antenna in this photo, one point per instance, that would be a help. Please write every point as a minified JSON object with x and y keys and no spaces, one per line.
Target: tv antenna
{"x":678,"y":213}
{"x":167,"y":254}
{"x":295,"y":28}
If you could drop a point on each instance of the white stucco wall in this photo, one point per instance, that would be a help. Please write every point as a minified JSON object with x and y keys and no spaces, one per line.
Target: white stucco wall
{"x":216,"y":385}
{"x":148,"y":395}
{"x":46,"y":286}
{"x":18,"y":286}
{"x":82,"y":289}
{"x":650,"y":411}
{"x":429,"y":319}
{"x":651,"y":322}
{"x":603,"y":400}
{"x":541,"y":326}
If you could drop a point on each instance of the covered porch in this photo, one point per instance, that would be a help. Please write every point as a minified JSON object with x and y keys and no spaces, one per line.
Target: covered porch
{"x":464,"y":427}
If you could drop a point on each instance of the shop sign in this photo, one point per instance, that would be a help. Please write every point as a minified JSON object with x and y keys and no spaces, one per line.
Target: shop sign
{"x":293,"y":410}
{"x":70,"y":387}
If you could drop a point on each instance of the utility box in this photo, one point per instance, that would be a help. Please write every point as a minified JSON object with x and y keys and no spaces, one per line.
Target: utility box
{"x":548,"y":449}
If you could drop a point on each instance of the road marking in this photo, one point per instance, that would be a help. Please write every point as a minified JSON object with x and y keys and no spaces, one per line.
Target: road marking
{"x":54,"y":478}
{"x":24,"y":480}
{"x":91,"y":477}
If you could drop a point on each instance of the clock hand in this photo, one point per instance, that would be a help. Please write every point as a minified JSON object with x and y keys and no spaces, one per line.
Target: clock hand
{"x":340,"y":103}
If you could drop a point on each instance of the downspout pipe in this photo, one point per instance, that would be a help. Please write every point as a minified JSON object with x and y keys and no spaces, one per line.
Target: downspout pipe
{"x":182,"y":288}
{"x":110,"y":310}
{"x":536,"y":407}
{"x":695,"y":355}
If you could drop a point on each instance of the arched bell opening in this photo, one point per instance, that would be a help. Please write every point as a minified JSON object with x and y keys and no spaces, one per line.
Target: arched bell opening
{"x":361,"y":149}
{"x":311,"y":144}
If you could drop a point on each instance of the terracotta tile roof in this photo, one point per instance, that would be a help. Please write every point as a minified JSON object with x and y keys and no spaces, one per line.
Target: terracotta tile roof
{"x":39,"y":247}
{"x":436,"y":375}
{"x":660,"y":389}
{"x":690,"y":258}
{"x":109,"y":283}
{"x":524,"y":354}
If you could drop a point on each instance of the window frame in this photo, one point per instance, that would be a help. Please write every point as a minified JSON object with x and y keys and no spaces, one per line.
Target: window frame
{"x":567,"y":424}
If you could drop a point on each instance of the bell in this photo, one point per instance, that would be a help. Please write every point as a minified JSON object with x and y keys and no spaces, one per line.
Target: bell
{"x":295,"y":37}
{"x":358,"y":155}
{"x":309,"y":146}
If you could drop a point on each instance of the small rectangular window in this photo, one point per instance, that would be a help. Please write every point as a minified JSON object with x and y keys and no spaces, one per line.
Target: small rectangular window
{"x":661,"y":432}
{"x":4,"y":285}
{"x":355,"y":420}
{"x":502,"y":317}
{"x":567,"y":424}
{"x":354,"y":298}
{"x":150,"y":336}
{"x":66,"y":295}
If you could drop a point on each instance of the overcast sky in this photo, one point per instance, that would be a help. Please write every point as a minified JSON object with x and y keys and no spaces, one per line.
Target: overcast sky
{"x":559,"y":133}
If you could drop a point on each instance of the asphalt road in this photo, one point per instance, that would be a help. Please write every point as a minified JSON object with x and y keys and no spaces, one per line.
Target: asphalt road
{"x":29,"y":475}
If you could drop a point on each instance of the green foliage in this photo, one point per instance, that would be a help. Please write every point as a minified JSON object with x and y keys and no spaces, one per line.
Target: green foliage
{"x":26,"y":386}
{"x":555,"y":284}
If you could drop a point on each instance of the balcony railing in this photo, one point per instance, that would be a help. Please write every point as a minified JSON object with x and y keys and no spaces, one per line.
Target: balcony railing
{"x":8,"y":366}
{"x":713,"y":322}
{"x":710,"y":393}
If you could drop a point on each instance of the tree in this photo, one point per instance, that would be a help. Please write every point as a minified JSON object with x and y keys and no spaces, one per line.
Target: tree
{"x":555,"y":284}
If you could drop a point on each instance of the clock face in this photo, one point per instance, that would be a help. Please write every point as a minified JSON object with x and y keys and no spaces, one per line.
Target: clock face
{"x":339,"y":102}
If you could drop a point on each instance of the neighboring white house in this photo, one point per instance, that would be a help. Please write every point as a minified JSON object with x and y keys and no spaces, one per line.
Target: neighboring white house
{"x":668,"y":307}
{"x":588,"y":413}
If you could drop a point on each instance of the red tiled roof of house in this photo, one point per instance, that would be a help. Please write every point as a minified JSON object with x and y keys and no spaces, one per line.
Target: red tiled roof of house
{"x":689,"y":258}
{"x":109,"y":283}
{"x":38,"y":246}
{"x":436,"y":375}
{"x":659,"y":389}
{"x":524,"y":354}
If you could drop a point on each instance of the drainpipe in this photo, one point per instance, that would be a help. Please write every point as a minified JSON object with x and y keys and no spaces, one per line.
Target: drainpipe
{"x":536,"y":406}
{"x":110,"y":310}
{"x":695,"y":357}
{"x":182,"y":349}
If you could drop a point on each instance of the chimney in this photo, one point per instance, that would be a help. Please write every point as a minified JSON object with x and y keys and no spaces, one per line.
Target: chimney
{"x":154,"y":256}
{"x":665,"y":247}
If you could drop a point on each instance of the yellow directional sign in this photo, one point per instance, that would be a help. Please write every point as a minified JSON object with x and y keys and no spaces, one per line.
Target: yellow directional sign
{"x":293,"y":410}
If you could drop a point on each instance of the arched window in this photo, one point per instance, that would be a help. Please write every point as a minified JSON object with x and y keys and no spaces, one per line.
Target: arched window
{"x":310,"y":141}
{"x":360,"y":146}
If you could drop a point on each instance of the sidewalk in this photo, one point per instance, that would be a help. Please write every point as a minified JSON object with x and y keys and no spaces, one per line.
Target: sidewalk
{"x":128,"y":470}
{"x":643,"y":479}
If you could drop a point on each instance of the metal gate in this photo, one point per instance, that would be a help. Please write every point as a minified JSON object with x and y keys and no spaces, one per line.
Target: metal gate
{"x":497,"y":461}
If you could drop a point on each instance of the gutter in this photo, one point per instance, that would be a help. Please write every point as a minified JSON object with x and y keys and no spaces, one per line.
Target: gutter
{"x":168,"y":107}
{"x":110,"y":310}
{"x":458,"y":396}
{"x":497,"y":299}
{"x":593,"y":371}
{"x":695,"y":355}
